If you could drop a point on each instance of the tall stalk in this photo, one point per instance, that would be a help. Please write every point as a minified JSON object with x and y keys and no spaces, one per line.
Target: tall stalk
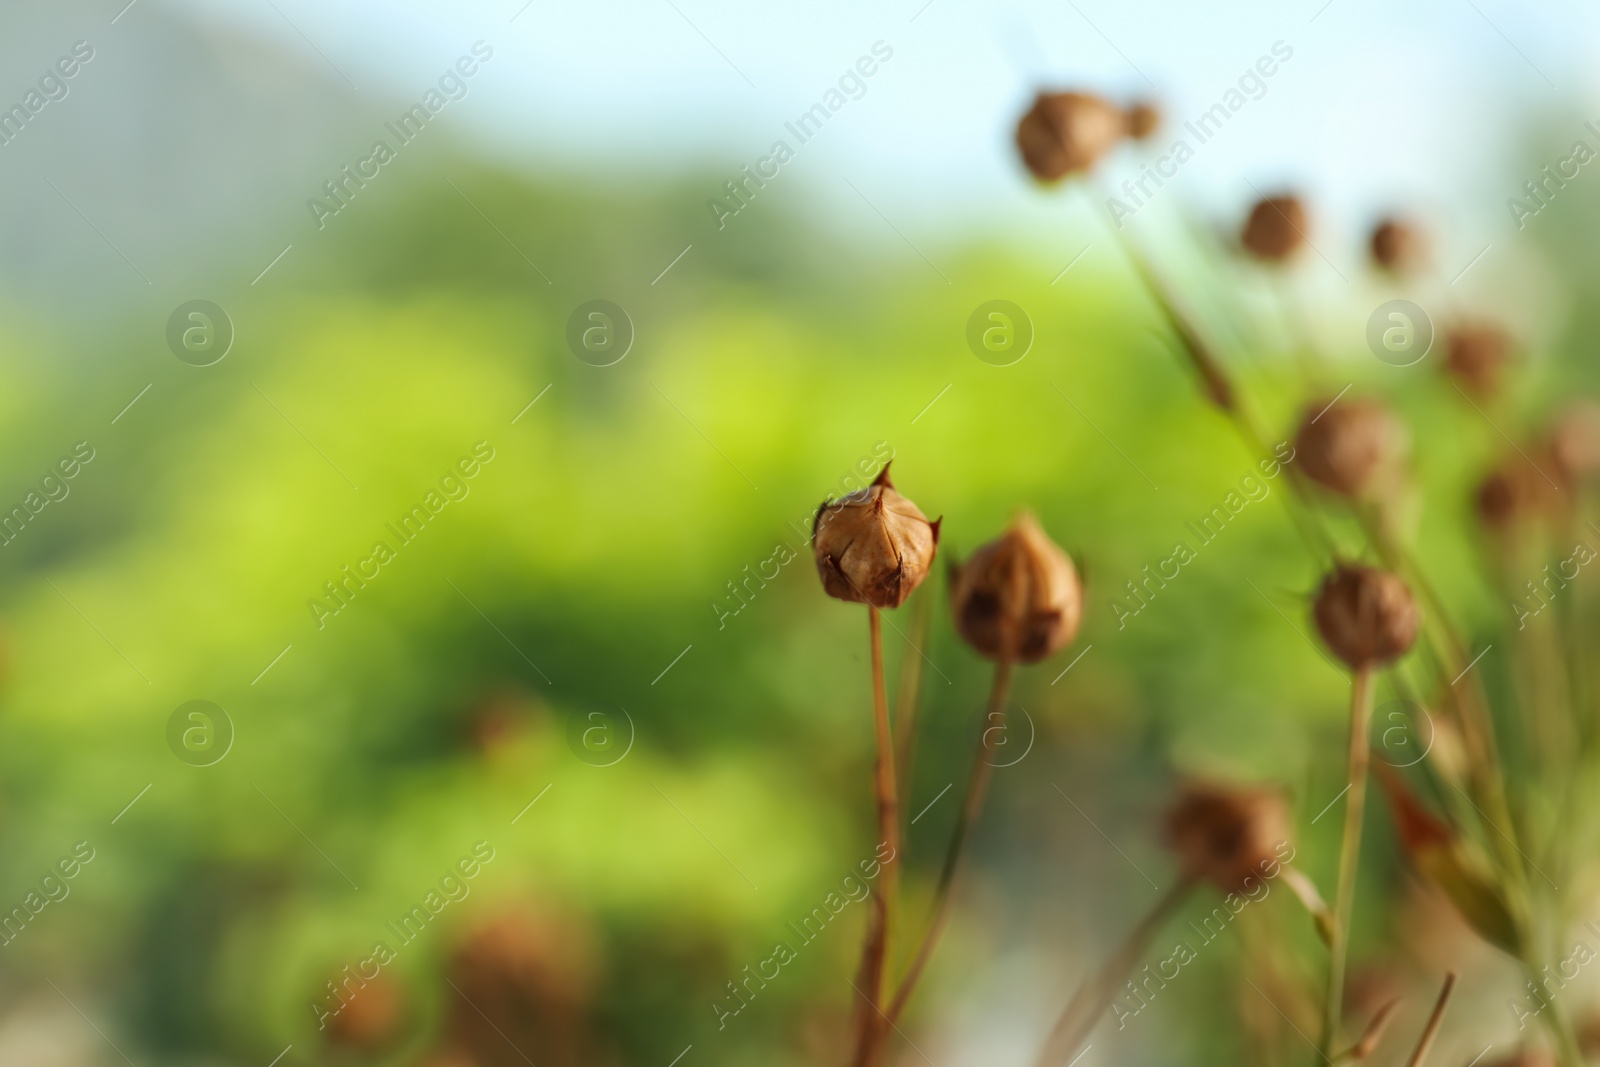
{"x":910,"y":690}
{"x":1219,"y":388}
{"x":1092,"y":998}
{"x":971,"y":808}
{"x":880,"y":938}
{"x":1349,"y":852}
{"x":1431,"y":1031}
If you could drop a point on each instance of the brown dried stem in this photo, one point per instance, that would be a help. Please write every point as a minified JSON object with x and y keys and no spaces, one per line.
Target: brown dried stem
{"x":1214,"y":379}
{"x":1372,"y":1037}
{"x":971,"y":808}
{"x":1219,"y":388}
{"x":1469,"y":708}
{"x":910,"y":690}
{"x":1092,"y":998}
{"x":1431,"y":1031}
{"x":881,"y":929}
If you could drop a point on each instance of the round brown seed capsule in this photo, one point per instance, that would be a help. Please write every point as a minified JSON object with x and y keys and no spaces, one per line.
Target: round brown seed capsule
{"x":1018,"y":598}
{"x":1227,"y":835}
{"x":1067,"y":133}
{"x":1349,"y":446}
{"x":1366,"y":615}
{"x":1398,"y":246}
{"x":874,"y":546}
{"x":1276,"y":228}
{"x":1142,"y":118}
{"x":1476,"y":355}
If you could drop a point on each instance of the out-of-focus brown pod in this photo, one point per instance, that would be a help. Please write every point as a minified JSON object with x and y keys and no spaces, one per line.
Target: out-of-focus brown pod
{"x":1398,"y":246}
{"x":1017,"y":598}
{"x":1575,"y":441}
{"x":1525,"y":488}
{"x":526,"y":977}
{"x":1366,"y":616}
{"x":1350,"y":446}
{"x":370,"y":1017}
{"x":1227,"y":835}
{"x":1142,"y":119}
{"x":1067,"y":133}
{"x":1276,"y":228}
{"x":1476,"y":355}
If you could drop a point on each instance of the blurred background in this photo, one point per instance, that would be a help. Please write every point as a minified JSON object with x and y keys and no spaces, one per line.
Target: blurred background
{"x":560,"y":729}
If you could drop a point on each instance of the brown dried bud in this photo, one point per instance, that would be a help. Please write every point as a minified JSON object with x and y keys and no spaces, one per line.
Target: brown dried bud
{"x":1276,"y":228}
{"x":1067,"y":133}
{"x":1398,"y":246}
{"x":1367,"y":616}
{"x":1353,"y":447}
{"x":1141,"y":119}
{"x":874,"y":546}
{"x":1476,"y":355}
{"x":1228,"y":835}
{"x":1018,"y":598}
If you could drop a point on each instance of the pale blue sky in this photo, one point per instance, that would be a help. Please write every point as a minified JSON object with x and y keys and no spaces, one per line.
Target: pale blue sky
{"x":1382,"y":100}
{"x":183,"y":128}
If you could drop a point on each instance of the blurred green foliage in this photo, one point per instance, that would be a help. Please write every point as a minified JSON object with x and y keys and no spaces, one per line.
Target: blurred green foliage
{"x":588,"y":554}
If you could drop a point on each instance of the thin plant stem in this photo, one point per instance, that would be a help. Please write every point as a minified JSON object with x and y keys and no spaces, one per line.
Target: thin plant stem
{"x":1471,"y":711}
{"x":971,"y":808}
{"x":1214,"y":380}
{"x":1219,"y":388}
{"x":1349,"y":852}
{"x":881,"y":932}
{"x":1376,"y":1028}
{"x":910,"y":689}
{"x":1092,"y":998}
{"x":1431,"y":1031}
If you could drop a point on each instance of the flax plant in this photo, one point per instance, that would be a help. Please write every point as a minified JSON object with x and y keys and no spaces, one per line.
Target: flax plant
{"x":1352,"y":454}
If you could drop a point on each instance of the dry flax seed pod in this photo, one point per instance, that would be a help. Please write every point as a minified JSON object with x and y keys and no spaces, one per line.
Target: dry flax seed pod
{"x":1141,"y":119}
{"x":1366,"y":615}
{"x":1276,"y":228}
{"x":1476,"y":355}
{"x":873,"y":546}
{"x":1227,"y":835}
{"x":1349,"y":446}
{"x":1398,"y":247}
{"x":1067,"y":133}
{"x":1018,"y":598}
